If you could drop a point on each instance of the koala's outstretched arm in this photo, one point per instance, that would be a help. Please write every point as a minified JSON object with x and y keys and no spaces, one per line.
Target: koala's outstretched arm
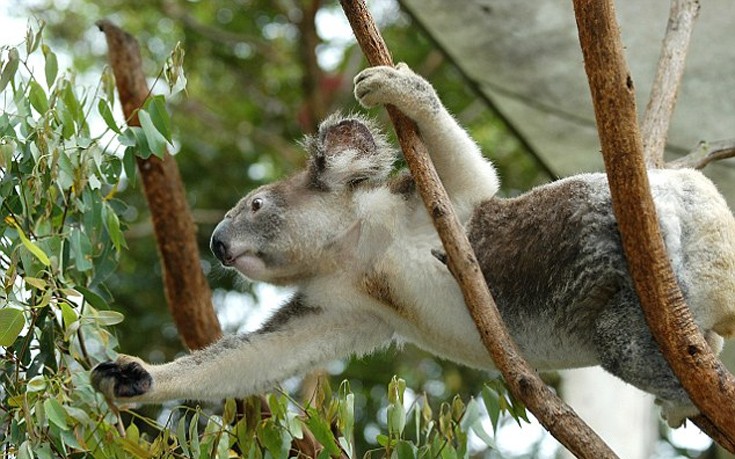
{"x":297,"y":338}
{"x":467,"y":176}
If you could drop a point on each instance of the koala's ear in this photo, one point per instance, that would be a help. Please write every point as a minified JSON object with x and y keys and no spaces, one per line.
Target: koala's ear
{"x":346,"y":152}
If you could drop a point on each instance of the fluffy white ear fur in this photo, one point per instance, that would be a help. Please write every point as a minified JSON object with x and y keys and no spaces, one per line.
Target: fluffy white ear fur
{"x":348,"y":151}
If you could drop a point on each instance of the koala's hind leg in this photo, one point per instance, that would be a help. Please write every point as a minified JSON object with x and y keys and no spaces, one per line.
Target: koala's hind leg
{"x":627,"y":349}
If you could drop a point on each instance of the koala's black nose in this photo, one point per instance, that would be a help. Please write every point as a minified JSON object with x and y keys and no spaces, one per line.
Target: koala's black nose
{"x":219,"y":248}
{"x":219,"y":244}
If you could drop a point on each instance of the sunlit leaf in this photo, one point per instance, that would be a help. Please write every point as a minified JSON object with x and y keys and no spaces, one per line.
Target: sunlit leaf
{"x":36,"y":384}
{"x":108,"y":318}
{"x":12,"y":322}
{"x":156,"y":141}
{"x":32,"y":247}
{"x":68,"y":314}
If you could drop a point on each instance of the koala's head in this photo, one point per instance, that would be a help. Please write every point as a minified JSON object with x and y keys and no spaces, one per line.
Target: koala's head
{"x":294,"y":228}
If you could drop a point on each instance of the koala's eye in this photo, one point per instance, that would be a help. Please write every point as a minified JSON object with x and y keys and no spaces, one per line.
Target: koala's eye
{"x":256,"y":204}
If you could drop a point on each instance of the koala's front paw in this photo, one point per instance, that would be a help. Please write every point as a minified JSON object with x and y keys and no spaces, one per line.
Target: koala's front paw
{"x":125,"y":377}
{"x":398,"y":86}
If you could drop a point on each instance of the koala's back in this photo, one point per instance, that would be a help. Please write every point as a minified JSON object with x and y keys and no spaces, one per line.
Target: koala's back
{"x":553,"y":257}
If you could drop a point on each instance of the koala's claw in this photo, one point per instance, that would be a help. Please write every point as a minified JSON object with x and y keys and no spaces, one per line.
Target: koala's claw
{"x":377,"y":85}
{"x":123,"y":378}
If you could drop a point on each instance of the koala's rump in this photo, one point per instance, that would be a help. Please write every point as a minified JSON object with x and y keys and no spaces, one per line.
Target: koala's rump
{"x":554,"y":256}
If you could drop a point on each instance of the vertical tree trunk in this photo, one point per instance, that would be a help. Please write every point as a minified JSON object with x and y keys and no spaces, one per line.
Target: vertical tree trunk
{"x":709,"y":384}
{"x":187,"y":291}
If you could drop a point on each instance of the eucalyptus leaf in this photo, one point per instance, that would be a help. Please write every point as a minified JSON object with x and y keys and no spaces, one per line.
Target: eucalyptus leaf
{"x":12,"y":322}
{"x":103,"y":107}
{"x":55,"y":413}
{"x":156,"y":141}
{"x":10,"y":68}
{"x":32,"y":247}
{"x":51,"y":68}
{"x":37,"y":97}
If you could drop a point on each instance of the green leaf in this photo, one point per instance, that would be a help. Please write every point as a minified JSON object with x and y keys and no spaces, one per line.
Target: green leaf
{"x":55,"y":413}
{"x":108,"y":318}
{"x":31,"y":246}
{"x":12,"y":322}
{"x":51,"y":68}
{"x":156,"y":141}
{"x":156,"y":107}
{"x":272,"y":437}
{"x":492,"y":404}
{"x":10,"y":68}
{"x":36,"y":384}
{"x":92,"y":298}
{"x":181,"y":435}
{"x":405,"y":450}
{"x":320,"y":428}
{"x":104,"y":108}
{"x":81,"y":250}
{"x":112,"y":224}
{"x":37,"y":97}
{"x":68,"y":315}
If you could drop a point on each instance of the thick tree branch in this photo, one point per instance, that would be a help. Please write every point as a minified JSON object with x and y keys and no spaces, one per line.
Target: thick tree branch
{"x":665,"y":88}
{"x":524,"y":382}
{"x":707,"y":382}
{"x":705,"y":153}
{"x":187,"y":292}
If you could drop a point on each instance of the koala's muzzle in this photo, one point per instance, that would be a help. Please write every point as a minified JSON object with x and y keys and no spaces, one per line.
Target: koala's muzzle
{"x":220,"y":243}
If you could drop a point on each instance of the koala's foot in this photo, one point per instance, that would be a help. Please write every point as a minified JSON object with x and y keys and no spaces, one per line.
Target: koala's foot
{"x":124,"y":378}
{"x":398,"y":86}
{"x":675,"y":413}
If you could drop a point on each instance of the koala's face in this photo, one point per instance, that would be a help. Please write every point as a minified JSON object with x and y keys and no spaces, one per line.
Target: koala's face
{"x":288,"y":230}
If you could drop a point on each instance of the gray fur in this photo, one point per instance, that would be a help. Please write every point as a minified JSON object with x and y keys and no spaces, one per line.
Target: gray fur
{"x":359,"y":247}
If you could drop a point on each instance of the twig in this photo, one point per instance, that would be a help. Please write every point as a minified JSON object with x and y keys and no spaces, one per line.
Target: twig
{"x":705,"y":153}
{"x":523,"y":381}
{"x":670,"y":69}
{"x":708,"y":383}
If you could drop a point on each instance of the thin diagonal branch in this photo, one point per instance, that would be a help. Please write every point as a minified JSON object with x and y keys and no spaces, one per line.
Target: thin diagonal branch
{"x":669,"y":73}
{"x":523,"y":381}
{"x":705,"y":153}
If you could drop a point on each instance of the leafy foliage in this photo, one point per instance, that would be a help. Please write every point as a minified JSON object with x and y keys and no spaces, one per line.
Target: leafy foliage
{"x":61,"y":238}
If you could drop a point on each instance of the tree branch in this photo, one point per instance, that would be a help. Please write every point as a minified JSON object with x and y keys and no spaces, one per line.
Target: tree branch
{"x":524,"y":382}
{"x":187,"y":292}
{"x":670,"y":69}
{"x":705,"y":153}
{"x":706,"y":381}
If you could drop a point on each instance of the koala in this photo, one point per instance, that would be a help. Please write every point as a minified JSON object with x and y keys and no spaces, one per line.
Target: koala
{"x":355,"y":240}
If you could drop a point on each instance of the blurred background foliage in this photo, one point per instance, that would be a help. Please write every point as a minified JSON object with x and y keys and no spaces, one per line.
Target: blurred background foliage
{"x":260,"y":75}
